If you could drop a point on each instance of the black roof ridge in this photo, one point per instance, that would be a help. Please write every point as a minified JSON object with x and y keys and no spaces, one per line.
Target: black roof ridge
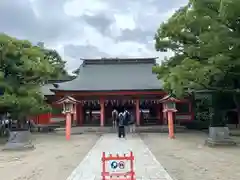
{"x":132,"y":60}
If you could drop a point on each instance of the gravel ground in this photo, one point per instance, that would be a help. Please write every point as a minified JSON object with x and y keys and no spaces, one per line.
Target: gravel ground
{"x":187,"y":158}
{"x":53,"y":159}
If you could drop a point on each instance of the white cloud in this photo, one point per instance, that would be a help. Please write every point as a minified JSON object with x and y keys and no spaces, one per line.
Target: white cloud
{"x":89,"y":28}
{"x":79,"y":7}
{"x":125,"y":21}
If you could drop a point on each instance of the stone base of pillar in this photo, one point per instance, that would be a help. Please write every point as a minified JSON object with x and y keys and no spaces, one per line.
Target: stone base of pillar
{"x":219,"y":136}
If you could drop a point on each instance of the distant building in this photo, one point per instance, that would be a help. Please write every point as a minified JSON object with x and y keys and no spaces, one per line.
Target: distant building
{"x":105,"y":84}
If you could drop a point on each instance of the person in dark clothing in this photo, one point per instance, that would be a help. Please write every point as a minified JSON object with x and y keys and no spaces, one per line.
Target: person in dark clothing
{"x":126,"y":115}
{"x":121,"y":126}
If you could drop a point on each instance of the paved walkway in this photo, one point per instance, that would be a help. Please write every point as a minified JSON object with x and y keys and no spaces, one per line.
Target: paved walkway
{"x":146,"y":165}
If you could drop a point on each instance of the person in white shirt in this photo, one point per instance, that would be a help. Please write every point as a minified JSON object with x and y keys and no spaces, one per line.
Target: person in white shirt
{"x":114,"y":118}
{"x":132,"y":126}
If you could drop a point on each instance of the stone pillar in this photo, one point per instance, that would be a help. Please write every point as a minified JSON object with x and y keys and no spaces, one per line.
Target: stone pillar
{"x":102,"y":112}
{"x":137,"y":112}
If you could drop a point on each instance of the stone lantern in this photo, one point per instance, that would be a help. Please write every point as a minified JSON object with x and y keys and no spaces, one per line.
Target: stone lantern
{"x":69,"y":108}
{"x":169,"y":107}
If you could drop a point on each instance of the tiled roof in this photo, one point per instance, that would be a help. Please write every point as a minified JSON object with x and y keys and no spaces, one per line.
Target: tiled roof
{"x":45,"y":89}
{"x":114,"y":74}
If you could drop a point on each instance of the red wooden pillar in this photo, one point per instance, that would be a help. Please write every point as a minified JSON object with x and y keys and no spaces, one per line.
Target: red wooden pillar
{"x":158,"y":111}
{"x":49,"y":117}
{"x":80,"y":114}
{"x":161,"y":113}
{"x":191,"y":110}
{"x":165,"y":118}
{"x":137,"y":112}
{"x":74,"y":116}
{"x":102,"y":112}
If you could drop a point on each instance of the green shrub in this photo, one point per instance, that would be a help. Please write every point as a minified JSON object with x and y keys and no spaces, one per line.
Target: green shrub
{"x":198,"y":125}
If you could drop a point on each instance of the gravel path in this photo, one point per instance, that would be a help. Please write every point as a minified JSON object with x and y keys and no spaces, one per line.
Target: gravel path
{"x":186,"y":157}
{"x":53,"y":159}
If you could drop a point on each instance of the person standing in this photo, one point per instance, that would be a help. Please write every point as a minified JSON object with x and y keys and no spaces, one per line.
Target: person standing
{"x":121,"y":125}
{"x":114,"y":118}
{"x":132,"y":126}
{"x":126,"y":119}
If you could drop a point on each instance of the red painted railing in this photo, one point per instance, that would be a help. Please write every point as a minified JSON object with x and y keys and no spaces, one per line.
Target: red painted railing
{"x":128,"y":175}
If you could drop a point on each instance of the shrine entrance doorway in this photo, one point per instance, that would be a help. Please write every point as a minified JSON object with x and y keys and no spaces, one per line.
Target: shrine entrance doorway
{"x":120,"y":107}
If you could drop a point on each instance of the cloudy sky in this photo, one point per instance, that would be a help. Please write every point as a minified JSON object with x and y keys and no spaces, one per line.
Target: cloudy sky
{"x":88,"y":28}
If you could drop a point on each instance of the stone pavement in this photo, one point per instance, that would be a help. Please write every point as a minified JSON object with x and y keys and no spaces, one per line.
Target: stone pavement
{"x":146,"y":166}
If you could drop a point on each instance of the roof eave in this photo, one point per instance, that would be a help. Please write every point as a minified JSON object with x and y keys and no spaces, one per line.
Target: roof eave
{"x":133,"y":58}
{"x":137,"y":90}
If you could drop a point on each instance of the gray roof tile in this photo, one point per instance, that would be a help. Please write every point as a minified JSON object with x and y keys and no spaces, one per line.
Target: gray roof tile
{"x":45,"y":89}
{"x":113,"y":76}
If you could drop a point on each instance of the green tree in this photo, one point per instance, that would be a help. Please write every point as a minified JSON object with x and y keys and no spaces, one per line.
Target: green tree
{"x":23,"y":69}
{"x":56,"y":62}
{"x":205,"y":38}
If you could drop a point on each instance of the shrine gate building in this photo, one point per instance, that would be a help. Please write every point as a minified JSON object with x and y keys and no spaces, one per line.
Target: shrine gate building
{"x":106,"y":84}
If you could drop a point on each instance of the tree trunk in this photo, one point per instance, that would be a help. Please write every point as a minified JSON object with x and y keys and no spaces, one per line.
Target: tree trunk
{"x":22,"y":124}
{"x":235,"y":99}
{"x":216,"y":118}
{"x":218,"y":132}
